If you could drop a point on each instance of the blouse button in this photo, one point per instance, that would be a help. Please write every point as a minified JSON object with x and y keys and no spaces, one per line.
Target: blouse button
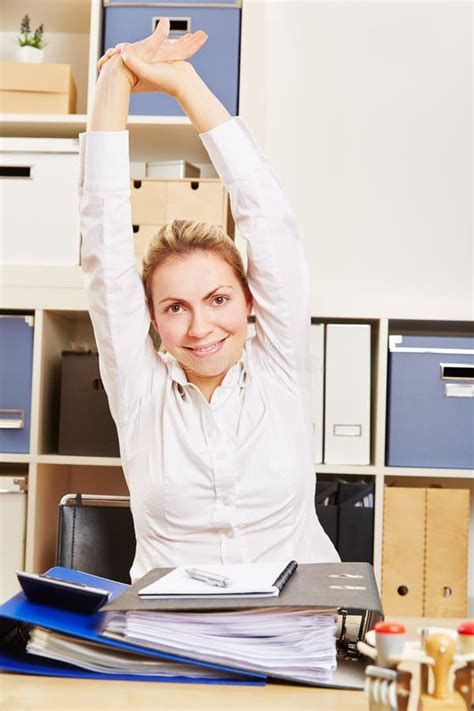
{"x":229,"y":533}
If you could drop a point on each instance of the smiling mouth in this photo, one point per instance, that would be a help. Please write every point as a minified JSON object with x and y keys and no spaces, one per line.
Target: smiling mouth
{"x":209,"y":349}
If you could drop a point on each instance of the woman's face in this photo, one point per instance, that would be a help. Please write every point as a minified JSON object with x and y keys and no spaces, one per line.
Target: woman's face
{"x":200,"y":312}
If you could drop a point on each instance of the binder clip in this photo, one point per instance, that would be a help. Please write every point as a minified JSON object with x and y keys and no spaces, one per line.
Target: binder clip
{"x":353,"y":627}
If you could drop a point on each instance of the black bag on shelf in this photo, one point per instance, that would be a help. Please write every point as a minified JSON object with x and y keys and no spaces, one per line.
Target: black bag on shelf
{"x":86,"y":426}
{"x":355,"y":538}
{"x":327,"y":510}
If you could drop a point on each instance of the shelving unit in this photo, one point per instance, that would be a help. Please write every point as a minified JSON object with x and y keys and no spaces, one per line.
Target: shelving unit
{"x":56,"y":295}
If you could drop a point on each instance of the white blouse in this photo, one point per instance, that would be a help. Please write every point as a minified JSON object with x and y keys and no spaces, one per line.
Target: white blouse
{"x":231,"y":480}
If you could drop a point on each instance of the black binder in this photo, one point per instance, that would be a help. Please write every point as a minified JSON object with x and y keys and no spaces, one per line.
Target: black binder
{"x":96,"y":535}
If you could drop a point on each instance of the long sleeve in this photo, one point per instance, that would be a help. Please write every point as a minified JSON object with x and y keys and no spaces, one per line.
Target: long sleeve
{"x":277,"y":271}
{"x":115,"y":294}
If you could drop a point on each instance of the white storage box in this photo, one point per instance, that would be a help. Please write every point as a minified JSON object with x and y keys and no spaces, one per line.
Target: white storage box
{"x":12,"y":532}
{"x":172,"y":169}
{"x":39,"y":208}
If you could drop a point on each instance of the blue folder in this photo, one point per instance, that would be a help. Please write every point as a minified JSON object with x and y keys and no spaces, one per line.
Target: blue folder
{"x":87,"y":627}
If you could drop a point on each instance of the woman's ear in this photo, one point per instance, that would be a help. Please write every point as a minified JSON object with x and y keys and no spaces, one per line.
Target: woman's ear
{"x":249,"y":304}
{"x":153,"y":323}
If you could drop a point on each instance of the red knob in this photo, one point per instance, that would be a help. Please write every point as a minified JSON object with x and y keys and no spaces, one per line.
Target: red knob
{"x":466,"y":628}
{"x":385,"y":627}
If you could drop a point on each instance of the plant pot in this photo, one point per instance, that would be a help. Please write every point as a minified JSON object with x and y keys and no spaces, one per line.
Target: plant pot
{"x":29,"y":54}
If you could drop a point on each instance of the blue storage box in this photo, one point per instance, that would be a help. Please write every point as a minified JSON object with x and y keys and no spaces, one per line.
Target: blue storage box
{"x":16,"y":358}
{"x":217,"y":62}
{"x":430,"y":413}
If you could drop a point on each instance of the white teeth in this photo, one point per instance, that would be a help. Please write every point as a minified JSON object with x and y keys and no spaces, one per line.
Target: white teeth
{"x":208,"y":348}
{"x":204,"y":350}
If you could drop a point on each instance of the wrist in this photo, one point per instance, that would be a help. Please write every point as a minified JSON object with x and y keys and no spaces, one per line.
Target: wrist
{"x":115,"y":71}
{"x":187,"y":82}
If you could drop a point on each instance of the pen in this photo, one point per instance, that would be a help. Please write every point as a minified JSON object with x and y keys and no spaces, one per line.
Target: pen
{"x":210,"y":578}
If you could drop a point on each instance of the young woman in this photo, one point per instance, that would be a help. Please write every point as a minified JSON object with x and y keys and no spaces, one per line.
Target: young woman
{"x":216,"y":432}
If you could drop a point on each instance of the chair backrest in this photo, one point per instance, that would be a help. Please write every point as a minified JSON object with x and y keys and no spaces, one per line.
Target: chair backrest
{"x":96,"y":535}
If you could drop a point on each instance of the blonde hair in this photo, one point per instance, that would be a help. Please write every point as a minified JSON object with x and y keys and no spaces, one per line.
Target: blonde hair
{"x":183,"y":237}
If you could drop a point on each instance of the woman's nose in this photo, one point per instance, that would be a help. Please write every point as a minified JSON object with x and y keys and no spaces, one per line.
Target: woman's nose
{"x":200,"y":325}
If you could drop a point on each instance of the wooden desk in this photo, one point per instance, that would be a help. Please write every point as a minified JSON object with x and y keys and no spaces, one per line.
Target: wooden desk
{"x":21,"y":692}
{"x":26,"y":692}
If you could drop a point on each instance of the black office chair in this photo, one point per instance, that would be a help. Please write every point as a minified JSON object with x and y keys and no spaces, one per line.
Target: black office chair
{"x":96,"y":535}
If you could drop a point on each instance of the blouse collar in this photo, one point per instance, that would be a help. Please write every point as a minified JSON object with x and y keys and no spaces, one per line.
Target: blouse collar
{"x":237,"y":374}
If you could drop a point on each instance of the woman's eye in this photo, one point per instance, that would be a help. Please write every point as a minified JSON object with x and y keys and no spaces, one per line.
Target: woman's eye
{"x":220,"y":300}
{"x":174,"y":308}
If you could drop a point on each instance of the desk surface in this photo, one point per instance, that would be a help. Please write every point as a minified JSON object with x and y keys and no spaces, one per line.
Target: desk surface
{"x":26,"y":692}
{"x":49,"y":693}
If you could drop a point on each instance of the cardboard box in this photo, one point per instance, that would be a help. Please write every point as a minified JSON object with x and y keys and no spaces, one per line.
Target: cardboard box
{"x":446,"y":561}
{"x":157,"y":202}
{"x":37,"y":88}
{"x":403,"y":551}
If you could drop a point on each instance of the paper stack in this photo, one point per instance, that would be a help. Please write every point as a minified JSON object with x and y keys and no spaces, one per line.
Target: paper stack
{"x":106,"y":660}
{"x":288,"y":643}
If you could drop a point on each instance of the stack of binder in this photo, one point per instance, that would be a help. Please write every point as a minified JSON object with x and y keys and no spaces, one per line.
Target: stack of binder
{"x":18,"y":615}
{"x":316,"y":586}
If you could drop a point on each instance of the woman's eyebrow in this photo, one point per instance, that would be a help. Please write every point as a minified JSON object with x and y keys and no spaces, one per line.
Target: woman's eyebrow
{"x":173,"y":298}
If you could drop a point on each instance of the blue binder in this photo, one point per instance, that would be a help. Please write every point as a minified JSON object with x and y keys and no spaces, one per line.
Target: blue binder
{"x":16,"y":358}
{"x":87,"y":627}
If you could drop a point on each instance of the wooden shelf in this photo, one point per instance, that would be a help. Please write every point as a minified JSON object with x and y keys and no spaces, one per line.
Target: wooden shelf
{"x":78,"y":460}
{"x":7,"y":458}
{"x":151,"y":137}
{"x":427,"y":473}
{"x":42,"y":125}
{"x":345,"y":469}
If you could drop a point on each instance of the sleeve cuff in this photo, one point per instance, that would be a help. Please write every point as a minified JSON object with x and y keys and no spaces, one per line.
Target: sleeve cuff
{"x":105,"y":163}
{"x":233,"y":150}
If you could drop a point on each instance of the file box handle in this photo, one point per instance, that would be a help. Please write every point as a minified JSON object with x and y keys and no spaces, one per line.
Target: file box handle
{"x":10,"y":422}
{"x":15,"y":171}
{"x":178,"y":25}
{"x":347,"y":430}
{"x":457,"y":371}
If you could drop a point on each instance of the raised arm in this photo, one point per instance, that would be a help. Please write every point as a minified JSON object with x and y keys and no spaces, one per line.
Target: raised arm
{"x":277,"y":271}
{"x":114,"y":290}
{"x":116,"y":299}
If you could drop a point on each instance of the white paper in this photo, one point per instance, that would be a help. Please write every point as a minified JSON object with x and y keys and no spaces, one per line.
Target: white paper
{"x":248,"y":580}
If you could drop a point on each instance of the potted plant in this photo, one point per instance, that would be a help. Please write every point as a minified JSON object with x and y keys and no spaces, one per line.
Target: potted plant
{"x":31,"y":44}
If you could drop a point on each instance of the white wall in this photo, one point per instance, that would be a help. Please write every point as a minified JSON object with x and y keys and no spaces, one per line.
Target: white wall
{"x":365,"y":111}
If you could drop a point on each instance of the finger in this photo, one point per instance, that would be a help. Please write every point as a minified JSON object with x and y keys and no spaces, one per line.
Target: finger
{"x":198,"y":39}
{"x":183,"y":48}
{"x":158,"y":37}
{"x":105,"y":57}
{"x":134,"y":63}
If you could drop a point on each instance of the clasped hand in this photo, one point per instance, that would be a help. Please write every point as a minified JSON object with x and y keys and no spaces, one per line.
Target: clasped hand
{"x":156,"y":63}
